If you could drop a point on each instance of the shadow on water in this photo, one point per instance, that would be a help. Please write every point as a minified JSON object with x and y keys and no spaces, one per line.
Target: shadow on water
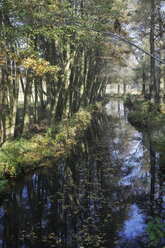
{"x":99,"y":197}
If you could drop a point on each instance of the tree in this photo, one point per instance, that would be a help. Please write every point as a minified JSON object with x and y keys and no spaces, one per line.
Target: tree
{"x":51,"y":58}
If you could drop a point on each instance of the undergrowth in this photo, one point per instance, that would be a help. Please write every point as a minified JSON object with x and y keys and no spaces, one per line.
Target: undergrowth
{"x":143,"y":114}
{"x":19,"y":156}
{"x":155,"y":230}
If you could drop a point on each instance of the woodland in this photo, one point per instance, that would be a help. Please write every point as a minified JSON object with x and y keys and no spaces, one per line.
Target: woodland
{"x":60,"y":56}
{"x":57,"y":60}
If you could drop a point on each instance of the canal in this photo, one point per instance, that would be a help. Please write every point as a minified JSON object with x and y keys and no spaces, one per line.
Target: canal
{"x":101,"y":196}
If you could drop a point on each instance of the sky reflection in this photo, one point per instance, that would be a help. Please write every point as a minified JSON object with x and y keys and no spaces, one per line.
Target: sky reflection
{"x":134,"y":226}
{"x":97,"y":198}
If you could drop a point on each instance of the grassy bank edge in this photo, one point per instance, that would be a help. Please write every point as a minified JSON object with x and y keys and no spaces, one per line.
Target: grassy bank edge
{"x":143,"y":114}
{"x":147,"y":117}
{"x":19,"y":156}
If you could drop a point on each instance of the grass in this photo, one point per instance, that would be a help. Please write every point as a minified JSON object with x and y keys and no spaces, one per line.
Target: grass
{"x":17,"y":157}
{"x":144,"y":114}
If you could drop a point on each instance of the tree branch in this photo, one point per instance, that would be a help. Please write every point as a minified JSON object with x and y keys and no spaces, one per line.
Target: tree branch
{"x":115,"y":36}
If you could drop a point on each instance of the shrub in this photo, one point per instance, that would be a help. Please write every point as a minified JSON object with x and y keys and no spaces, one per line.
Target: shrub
{"x":155,"y":230}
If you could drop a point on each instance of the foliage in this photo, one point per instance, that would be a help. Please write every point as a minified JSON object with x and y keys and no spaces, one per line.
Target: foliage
{"x":155,"y":229}
{"x":39,"y":66}
{"x":127,"y":100}
{"x":3,"y":183}
{"x":44,"y":45}
{"x":144,"y":114}
{"x":19,"y":156}
{"x":10,"y":156}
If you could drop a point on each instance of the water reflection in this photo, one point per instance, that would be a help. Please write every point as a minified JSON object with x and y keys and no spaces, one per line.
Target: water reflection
{"x":134,"y":225}
{"x":99,"y":197}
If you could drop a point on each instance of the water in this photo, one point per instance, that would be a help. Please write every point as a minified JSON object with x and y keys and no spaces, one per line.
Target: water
{"x":99,"y":197}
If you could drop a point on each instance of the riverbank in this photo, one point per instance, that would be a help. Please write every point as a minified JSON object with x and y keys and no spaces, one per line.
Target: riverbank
{"x":35,"y":150}
{"x":147,"y":117}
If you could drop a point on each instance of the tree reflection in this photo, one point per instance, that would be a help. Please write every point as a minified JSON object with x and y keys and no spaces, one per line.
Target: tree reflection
{"x":89,"y":199}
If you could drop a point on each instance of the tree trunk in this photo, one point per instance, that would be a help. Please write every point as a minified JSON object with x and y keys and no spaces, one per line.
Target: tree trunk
{"x":118,"y":89}
{"x":161,"y":66}
{"x":27,"y":106}
{"x":14,"y":91}
{"x":1,"y":109}
{"x":153,"y":89}
{"x":35,"y":101}
{"x":144,"y":82}
{"x":124,"y":87}
{"x":3,"y":104}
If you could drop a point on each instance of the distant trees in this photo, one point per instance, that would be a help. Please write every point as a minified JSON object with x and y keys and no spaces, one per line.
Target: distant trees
{"x":150,"y":31}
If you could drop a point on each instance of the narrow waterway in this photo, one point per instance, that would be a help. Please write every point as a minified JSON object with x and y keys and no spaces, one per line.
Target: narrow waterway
{"x":99,"y":197}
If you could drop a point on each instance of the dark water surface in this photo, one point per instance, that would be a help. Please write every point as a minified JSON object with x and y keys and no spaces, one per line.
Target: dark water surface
{"x":100,"y":197}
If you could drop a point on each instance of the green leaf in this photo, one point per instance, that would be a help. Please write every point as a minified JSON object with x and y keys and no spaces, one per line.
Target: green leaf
{"x":152,"y":235}
{"x":157,"y":220}
{"x":23,"y":13}
{"x":109,"y":6}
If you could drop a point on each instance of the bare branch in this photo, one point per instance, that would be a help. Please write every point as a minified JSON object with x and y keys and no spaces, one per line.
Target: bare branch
{"x":115,"y":36}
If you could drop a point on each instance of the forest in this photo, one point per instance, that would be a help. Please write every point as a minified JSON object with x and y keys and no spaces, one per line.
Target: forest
{"x":54,"y":61}
{"x":63,"y":65}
